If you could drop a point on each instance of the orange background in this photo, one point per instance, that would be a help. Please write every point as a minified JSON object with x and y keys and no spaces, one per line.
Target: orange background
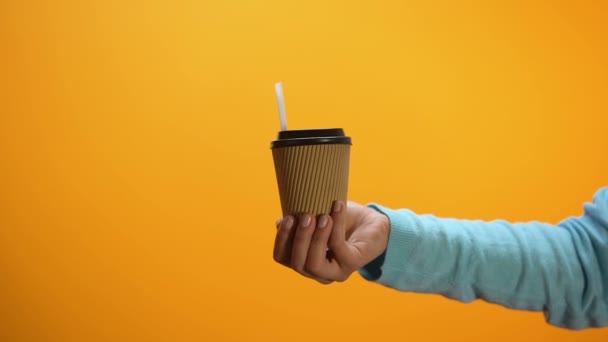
{"x":137,"y":193}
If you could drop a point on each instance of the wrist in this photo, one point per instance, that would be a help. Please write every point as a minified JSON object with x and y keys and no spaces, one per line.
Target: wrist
{"x":385,"y":230}
{"x":373,"y":270}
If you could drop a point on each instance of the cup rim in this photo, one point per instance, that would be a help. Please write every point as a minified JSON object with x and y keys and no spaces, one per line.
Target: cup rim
{"x":303,"y":137}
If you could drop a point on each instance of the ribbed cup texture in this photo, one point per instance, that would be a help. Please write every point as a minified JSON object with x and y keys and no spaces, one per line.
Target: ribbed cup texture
{"x":311,"y":177}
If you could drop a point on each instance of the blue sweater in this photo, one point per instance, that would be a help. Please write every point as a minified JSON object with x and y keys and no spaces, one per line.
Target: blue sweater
{"x":560,"y":269}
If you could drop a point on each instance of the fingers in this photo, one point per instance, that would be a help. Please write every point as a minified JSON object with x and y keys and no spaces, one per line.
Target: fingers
{"x":303,"y":246}
{"x":301,"y":243}
{"x":283,"y":241}
{"x":300,"y":250}
{"x":317,"y":263}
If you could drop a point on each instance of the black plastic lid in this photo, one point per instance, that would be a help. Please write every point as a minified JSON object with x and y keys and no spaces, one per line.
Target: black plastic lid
{"x":311,"y":137}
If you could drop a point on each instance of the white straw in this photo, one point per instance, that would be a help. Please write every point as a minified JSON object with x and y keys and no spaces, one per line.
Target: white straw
{"x":281,"y":102}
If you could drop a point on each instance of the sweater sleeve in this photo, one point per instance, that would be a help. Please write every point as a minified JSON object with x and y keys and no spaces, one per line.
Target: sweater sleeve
{"x":561,"y":270}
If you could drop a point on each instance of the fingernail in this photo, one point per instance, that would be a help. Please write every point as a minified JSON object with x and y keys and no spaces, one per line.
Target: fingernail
{"x":287,"y":222}
{"x":306,"y":220}
{"x":322,"y":221}
{"x":337,"y":206}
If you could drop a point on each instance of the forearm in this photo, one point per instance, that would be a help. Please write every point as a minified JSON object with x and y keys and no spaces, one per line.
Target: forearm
{"x":528,"y":266}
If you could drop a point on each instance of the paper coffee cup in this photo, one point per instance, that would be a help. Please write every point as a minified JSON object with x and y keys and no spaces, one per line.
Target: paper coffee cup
{"x":312,"y":168}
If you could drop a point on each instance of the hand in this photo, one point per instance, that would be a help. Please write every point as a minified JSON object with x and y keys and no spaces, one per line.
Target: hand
{"x":330,"y":248}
